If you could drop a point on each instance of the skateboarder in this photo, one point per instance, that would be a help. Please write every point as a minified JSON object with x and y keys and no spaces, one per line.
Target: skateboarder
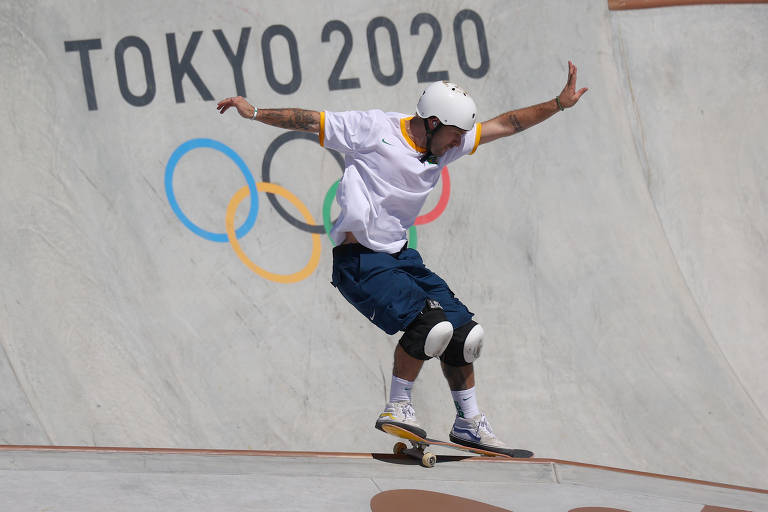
{"x":392,"y":162}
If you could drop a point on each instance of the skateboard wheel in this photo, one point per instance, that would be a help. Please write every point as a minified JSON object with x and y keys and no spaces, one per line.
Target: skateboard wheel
{"x":399,"y":448}
{"x":429,"y":460}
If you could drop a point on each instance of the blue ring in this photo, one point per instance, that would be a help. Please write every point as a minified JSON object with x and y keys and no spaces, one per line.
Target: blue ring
{"x":218,"y":146}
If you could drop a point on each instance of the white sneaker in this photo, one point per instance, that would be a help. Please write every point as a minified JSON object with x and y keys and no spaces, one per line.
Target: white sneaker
{"x":403,"y":415}
{"x":477,"y":433}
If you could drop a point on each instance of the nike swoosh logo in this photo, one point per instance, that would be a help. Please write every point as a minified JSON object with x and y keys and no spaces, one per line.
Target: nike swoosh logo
{"x":373,"y":315}
{"x":471,"y":434}
{"x":385,"y":142}
{"x":464,"y":399}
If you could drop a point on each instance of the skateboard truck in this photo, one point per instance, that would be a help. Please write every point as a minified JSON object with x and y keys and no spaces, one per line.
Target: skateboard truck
{"x":417,"y":451}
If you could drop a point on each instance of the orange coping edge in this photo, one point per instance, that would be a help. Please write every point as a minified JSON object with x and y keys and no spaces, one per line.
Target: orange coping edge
{"x":624,"y":5}
{"x":274,"y":453}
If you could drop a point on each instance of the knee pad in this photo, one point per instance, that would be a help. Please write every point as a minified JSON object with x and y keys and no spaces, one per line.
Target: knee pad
{"x":465,"y":345}
{"x":429,"y":334}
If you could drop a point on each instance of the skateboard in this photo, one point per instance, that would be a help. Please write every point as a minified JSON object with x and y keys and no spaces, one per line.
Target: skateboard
{"x":419,"y":447}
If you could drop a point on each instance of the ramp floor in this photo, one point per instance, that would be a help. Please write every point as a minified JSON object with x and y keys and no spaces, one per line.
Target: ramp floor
{"x":58,"y":479}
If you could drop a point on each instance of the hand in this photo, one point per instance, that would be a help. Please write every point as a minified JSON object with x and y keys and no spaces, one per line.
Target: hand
{"x":244,"y":108}
{"x":570,"y":95}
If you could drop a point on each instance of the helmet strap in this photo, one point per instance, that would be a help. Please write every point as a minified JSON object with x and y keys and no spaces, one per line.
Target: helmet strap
{"x":428,"y":156}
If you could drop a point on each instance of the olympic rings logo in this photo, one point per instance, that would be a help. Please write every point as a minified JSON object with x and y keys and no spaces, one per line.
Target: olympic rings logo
{"x":232,"y":235}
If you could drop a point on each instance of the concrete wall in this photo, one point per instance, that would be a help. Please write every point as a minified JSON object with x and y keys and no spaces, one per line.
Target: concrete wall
{"x":614,"y":254}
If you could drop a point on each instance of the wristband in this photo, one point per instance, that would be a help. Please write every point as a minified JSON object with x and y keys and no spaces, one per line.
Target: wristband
{"x":255,"y":111}
{"x":559,"y":105}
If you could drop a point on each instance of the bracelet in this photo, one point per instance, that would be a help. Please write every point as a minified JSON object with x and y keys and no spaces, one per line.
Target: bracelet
{"x":559,"y":105}
{"x":255,"y":111}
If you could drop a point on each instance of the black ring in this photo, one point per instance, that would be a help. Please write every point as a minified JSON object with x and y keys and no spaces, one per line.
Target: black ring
{"x":265,"y":171}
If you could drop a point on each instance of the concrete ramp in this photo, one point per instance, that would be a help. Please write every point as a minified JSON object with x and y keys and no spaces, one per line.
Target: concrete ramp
{"x":84,"y":480}
{"x":615,"y":255}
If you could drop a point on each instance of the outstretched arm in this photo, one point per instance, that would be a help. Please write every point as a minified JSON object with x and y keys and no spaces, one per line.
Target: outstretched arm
{"x":288,"y":118}
{"x":516,"y":121}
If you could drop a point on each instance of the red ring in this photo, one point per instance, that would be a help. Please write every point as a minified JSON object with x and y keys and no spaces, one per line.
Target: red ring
{"x":439,"y":208}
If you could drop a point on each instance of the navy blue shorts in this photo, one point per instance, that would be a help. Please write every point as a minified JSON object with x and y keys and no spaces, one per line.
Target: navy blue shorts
{"x":392,"y":289}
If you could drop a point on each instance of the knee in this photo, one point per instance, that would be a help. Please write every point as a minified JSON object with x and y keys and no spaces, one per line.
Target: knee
{"x":429,"y":334}
{"x":465,"y":345}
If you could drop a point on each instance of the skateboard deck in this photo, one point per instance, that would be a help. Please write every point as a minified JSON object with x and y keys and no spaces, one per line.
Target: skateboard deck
{"x":419,"y":447}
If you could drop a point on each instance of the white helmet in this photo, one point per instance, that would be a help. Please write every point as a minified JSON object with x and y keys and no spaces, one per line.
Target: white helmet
{"x":448,"y":102}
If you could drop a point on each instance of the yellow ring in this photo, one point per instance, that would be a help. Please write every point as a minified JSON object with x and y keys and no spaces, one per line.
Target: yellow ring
{"x":314,"y":259}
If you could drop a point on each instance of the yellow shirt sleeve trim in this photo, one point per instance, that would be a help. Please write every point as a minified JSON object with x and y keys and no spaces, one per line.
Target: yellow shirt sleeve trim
{"x":478,"y":132}
{"x":322,"y":128}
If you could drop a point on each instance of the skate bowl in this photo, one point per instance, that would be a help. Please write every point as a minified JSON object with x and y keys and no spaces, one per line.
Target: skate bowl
{"x":615,"y":254}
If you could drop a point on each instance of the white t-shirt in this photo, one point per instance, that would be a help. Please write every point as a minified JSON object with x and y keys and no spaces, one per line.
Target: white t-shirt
{"x":384,"y":184}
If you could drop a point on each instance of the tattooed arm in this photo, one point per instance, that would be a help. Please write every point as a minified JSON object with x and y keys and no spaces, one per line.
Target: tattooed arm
{"x":516,"y":121}
{"x":288,"y":118}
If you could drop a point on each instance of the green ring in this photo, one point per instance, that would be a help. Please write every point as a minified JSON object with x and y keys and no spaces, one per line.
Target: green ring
{"x":412,"y":237}
{"x":327,"y":202}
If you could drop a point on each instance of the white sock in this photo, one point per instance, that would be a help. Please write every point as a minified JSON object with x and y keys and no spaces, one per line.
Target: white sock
{"x":466,"y":403}
{"x":400,"y":390}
